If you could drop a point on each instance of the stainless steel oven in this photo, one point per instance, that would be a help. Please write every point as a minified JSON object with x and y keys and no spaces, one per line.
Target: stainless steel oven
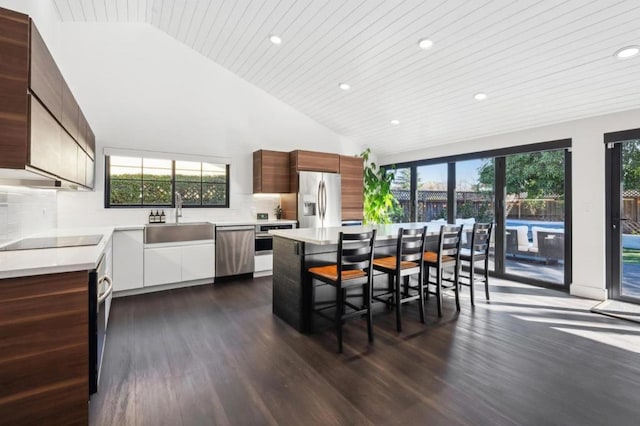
{"x":100,"y":289}
{"x":264,"y":240}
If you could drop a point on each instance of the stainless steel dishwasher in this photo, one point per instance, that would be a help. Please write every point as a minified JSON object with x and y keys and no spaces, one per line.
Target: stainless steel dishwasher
{"x":235,"y":250}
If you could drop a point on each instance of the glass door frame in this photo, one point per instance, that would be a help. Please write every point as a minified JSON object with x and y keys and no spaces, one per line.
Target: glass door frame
{"x":500,"y":155}
{"x":613,"y":190}
{"x":501,"y":218}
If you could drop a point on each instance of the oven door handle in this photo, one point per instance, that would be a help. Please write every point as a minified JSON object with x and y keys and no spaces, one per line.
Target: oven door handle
{"x":107,"y":292}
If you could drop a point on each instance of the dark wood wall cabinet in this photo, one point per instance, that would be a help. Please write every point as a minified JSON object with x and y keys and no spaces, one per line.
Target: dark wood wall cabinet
{"x":270,"y":172}
{"x":352,"y":177}
{"x":314,"y":161}
{"x":309,"y":161}
{"x":43,"y":131}
{"x":44,"y":350}
{"x":277,"y":172}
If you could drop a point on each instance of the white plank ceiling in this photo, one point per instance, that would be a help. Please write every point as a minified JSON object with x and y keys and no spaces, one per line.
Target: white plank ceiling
{"x":539,"y":62}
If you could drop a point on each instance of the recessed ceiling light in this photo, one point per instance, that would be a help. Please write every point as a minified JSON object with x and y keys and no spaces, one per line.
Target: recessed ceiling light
{"x":425,"y":44}
{"x":344,"y":86}
{"x":627,"y":52}
{"x":480,"y":96}
{"x":275,"y":39}
{"x":395,"y":122}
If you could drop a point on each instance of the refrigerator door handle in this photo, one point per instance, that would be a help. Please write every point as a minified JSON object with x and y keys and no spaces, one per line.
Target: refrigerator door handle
{"x":324,"y":200}
{"x":319,"y":200}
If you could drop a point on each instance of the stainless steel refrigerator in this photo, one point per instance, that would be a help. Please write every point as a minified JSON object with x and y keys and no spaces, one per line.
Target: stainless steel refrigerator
{"x":319,"y":200}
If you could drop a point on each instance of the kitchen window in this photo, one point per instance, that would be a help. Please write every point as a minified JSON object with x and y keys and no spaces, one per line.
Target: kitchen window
{"x":153,"y":182}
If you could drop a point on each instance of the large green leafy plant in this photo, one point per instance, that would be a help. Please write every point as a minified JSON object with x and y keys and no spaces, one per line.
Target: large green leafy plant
{"x":379,"y":202}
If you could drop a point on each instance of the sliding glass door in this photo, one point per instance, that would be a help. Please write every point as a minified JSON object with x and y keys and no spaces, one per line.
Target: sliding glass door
{"x":525,"y":191}
{"x":623,"y":254}
{"x":534,"y":231}
{"x":401,"y":190}
{"x":431,"y":193}
{"x":475,"y":197}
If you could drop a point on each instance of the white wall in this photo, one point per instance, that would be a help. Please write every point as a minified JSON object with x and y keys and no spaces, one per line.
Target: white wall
{"x":588,"y":176}
{"x":141,"y":89}
{"x":45,"y":16}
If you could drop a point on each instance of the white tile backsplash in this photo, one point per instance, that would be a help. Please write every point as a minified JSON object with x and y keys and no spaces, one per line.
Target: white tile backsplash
{"x":26,"y":211}
{"x":85,"y":209}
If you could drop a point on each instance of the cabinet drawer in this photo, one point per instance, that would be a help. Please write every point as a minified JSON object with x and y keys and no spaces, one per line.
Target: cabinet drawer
{"x":264,"y":262}
{"x":162,"y":265}
{"x":198,"y":262}
{"x":128,"y":260}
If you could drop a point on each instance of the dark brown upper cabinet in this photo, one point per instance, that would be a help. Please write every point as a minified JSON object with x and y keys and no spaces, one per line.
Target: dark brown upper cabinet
{"x":14,"y":84}
{"x":70,"y":113}
{"x":46,"y":80}
{"x":314,"y":161}
{"x":42,"y":129}
{"x":91,"y":143}
{"x":46,"y":140}
{"x":310,"y":161}
{"x":352,"y":177}
{"x":270,"y":172}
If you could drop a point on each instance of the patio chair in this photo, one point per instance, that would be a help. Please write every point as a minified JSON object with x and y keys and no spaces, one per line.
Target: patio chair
{"x":517,"y":240}
{"x":548,"y":243}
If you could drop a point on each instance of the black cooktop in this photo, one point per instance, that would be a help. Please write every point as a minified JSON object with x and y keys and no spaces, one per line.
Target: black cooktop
{"x":53,"y":242}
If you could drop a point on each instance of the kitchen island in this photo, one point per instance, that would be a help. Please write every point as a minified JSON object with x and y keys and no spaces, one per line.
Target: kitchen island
{"x":297,"y":250}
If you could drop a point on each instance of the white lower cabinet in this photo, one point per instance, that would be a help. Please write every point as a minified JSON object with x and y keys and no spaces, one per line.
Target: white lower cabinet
{"x":162,"y":265}
{"x":198,"y":262}
{"x":128,"y":256}
{"x":174,"y":264}
{"x":264,"y":262}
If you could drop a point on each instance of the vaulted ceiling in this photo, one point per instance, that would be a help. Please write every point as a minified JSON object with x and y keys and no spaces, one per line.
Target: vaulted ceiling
{"x":539,"y":62}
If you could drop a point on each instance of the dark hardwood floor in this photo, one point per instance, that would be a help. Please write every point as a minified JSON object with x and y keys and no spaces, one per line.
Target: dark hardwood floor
{"x":216,"y":355}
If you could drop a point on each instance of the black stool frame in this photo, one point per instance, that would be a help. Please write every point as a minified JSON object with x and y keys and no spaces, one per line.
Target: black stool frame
{"x":478,"y":250}
{"x":355,"y":253}
{"x":448,"y":246}
{"x":409,"y":248}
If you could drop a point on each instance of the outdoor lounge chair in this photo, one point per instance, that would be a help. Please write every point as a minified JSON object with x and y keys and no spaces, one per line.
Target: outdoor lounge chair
{"x":517,"y":240}
{"x":548,"y":243}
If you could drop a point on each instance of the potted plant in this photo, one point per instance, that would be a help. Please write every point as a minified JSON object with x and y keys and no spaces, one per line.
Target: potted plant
{"x":278,"y":212}
{"x":379,"y":202}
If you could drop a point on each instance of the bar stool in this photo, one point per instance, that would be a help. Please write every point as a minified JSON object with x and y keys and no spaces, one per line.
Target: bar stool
{"x":478,"y":250}
{"x":406,"y":262}
{"x":352,"y":269}
{"x":448,"y":255}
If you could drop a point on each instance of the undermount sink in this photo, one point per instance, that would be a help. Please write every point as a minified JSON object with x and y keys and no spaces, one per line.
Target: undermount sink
{"x":176,"y":232}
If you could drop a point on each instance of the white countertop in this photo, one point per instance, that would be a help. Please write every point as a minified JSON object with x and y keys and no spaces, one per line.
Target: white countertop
{"x":22,"y":263}
{"x":217,"y":223}
{"x":254,"y":222}
{"x":325,"y":236}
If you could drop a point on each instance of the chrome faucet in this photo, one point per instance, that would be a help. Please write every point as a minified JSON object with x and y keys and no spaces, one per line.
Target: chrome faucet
{"x":178,"y":206}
